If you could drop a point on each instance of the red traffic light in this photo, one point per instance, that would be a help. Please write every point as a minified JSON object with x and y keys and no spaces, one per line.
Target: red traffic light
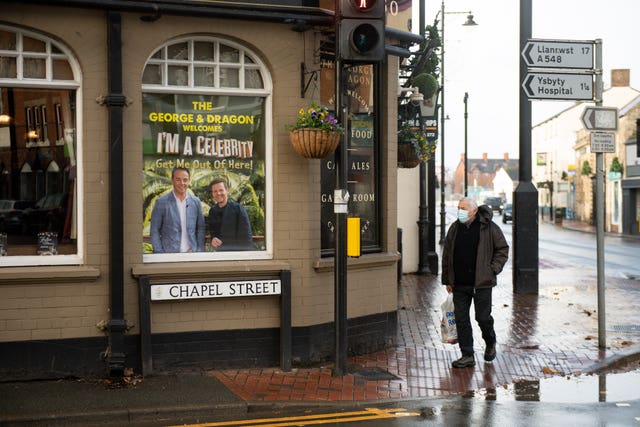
{"x":364,"y":5}
{"x":360,"y":9}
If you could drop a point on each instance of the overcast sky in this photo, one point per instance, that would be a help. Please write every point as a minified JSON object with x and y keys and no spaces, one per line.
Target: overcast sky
{"x":483,"y":61}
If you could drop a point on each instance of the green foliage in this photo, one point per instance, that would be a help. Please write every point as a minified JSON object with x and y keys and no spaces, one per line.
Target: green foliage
{"x":430,"y":65}
{"x":427,"y":84}
{"x":586,"y":168}
{"x":423,"y":147}
{"x":616,"y":166}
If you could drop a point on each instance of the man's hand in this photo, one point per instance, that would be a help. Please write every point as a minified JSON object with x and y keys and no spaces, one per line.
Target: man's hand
{"x":449,"y":289}
{"x":216,"y":243}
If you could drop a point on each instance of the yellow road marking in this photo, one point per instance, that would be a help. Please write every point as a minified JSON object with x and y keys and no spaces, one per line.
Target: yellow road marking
{"x":305,"y":420}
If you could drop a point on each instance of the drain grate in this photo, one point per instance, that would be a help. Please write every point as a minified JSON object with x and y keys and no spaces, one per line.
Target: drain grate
{"x":373,"y":374}
{"x":626,"y":328}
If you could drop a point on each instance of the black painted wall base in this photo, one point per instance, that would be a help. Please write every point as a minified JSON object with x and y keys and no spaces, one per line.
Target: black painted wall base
{"x":84,"y":357}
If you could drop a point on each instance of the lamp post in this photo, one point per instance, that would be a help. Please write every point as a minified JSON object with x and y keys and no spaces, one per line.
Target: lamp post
{"x":466,"y":165}
{"x":468,"y":22}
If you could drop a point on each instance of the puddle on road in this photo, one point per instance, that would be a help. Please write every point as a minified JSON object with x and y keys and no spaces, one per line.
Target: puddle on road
{"x":571,"y":389}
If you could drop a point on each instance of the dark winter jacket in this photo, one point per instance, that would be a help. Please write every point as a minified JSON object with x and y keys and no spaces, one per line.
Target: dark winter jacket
{"x":493,"y":251}
{"x":234,"y":228}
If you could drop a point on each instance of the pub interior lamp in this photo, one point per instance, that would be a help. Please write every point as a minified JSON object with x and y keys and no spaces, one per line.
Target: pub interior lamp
{"x":5,"y":119}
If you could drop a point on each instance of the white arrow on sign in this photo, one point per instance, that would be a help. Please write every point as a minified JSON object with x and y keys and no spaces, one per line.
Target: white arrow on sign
{"x":558,"y":54}
{"x":559,"y":86}
{"x":600,"y":118}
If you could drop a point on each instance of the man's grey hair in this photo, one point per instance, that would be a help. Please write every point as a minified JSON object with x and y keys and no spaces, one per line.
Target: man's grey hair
{"x":472,"y":202}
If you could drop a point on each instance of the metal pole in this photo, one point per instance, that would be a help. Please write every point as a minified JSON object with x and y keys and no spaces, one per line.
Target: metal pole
{"x":423,"y":261}
{"x":340,"y":257}
{"x":525,"y":198}
{"x":426,"y":250}
{"x":602,"y":335}
{"x":443,"y":214}
{"x":340,"y":209}
{"x":466,"y":164}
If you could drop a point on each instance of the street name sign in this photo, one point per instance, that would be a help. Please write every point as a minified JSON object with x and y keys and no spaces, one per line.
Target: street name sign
{"x":603,"y":142}
{"x":558,"y":54}
{"x":558,"y":86}
{"x":600,"y":118}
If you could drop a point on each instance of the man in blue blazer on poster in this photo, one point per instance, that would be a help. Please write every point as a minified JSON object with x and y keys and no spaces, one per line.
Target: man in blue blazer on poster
{"x":177,"y":221}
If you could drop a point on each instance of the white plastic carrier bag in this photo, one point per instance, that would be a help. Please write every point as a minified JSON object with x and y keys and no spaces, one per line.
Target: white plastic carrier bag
{"x":448,"y":322}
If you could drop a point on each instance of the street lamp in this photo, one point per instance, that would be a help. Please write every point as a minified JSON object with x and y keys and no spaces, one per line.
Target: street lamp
{"x":468,"y":22}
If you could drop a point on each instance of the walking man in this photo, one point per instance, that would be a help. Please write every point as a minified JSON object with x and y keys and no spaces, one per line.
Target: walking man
{"x":474,"y":253}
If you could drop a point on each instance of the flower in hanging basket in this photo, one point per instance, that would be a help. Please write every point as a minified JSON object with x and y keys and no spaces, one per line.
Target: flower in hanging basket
{"x":316,"y":133}
{"x":425,"y":148}
{"x":407,"y":155}
{"x":316,"y":117}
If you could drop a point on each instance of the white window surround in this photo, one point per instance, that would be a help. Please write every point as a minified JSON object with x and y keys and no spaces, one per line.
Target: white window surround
{"x":159,"y":57}
{"x":54,"y":51}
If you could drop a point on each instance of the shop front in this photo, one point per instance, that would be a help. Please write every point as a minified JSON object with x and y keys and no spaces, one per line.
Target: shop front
{"x":157,"y":216}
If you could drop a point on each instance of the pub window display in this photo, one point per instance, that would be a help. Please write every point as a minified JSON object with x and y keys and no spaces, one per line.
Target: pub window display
{"x":215,"y":142}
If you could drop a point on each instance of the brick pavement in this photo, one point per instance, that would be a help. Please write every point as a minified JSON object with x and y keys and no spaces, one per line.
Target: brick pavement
{"x":539,"y":336}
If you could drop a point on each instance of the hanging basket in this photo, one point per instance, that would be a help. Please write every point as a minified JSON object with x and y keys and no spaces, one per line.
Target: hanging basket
{"x":407,"y":156}
{"x":314,"y":143}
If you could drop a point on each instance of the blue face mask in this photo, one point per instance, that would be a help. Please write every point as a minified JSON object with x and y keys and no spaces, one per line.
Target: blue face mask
{"x":463,"y":216}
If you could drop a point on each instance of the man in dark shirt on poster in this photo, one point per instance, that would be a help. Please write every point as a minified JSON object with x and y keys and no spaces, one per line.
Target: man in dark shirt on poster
{"x":228,"y":222}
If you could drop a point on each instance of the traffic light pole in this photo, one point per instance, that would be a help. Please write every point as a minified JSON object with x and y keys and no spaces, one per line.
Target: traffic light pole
{"x":340,"y":209}
{"x":525,"y":197}
{"x":359,"y":39}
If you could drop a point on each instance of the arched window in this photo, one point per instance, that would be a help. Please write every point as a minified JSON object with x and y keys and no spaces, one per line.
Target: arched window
{"x":206,"y":108}
{"x":39,"y":96}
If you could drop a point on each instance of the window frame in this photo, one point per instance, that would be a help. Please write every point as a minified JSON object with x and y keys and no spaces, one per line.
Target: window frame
{"x":48,"y":82}
{"x":266,"y":92}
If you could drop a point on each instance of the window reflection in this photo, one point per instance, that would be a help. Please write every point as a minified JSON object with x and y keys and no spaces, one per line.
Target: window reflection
{"x":38,"y":169}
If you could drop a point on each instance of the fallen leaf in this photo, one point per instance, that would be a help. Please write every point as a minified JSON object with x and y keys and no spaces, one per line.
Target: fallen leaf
{"x":549,"y":371}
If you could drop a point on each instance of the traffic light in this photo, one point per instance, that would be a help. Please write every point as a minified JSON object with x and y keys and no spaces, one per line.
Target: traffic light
{"x":361,"y":31}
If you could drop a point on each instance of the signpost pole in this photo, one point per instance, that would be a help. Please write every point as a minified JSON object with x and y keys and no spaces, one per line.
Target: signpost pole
{"x":600,"y":208}
{"x":525,"y":197}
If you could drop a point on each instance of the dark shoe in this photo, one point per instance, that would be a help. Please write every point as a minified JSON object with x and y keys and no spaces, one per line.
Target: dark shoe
{"x":490,"y":352}
{"x":464,"y":362}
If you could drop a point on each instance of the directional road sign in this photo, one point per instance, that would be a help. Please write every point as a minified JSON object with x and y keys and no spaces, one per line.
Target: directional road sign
{"x":558,"y":54}
{"x":603,"y":142}
{"x":600,"y":118}
{"x":559,"y":86}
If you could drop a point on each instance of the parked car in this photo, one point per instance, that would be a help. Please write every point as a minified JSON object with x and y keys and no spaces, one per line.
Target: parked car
{"x":48,"y":214}
{"x":11,"y":212}
{"x":507,"y":213}
{"x":496,"y":203}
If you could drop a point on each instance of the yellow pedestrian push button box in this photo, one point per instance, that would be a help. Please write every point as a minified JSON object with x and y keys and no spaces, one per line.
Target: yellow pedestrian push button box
{"x":353,"y":237}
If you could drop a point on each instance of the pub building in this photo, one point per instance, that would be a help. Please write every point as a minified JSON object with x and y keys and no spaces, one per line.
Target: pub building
{"x":100,"y":101}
